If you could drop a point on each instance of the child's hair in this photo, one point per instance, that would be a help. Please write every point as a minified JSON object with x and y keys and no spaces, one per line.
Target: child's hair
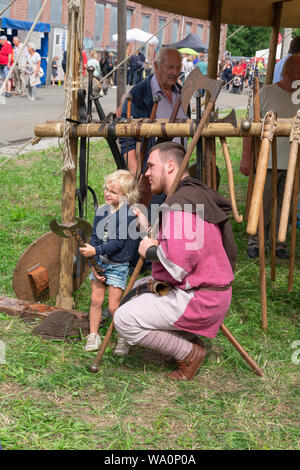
{"x":127,"y":182}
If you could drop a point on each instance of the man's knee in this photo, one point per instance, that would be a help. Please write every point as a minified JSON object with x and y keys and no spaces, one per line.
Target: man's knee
{"x":118,"y":320}
{"x":124,"y":322}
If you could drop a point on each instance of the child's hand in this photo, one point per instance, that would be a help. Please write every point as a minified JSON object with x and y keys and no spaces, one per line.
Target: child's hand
{"x":143,"y":220}
{"x":87,"y":251}
{"x":97,"y":276}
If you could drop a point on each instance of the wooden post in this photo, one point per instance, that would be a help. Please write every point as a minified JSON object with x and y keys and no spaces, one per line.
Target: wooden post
{"x":214,"y":38}
{"x":121,"y":73}
{"x":277,"y":10}
{"x":212,"y":72}
{"x":65,"y":291}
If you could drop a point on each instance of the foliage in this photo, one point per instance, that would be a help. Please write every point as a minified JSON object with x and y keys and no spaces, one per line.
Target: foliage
{"x":49,"y":399}
{"x":248,"y":40}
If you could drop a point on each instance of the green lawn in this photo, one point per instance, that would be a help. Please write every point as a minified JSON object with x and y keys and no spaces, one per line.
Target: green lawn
{"x":50,"y":400}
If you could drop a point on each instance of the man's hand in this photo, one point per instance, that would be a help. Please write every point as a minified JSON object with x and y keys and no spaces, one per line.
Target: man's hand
{"x":145,"y":244}
{"x":88,"y":250}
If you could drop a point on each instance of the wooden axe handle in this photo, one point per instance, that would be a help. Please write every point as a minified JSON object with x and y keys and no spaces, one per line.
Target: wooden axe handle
{"x":261,"y":173}
{"x":237,"y":217}
{"x":274,"y":209}
{"x":242,"y":351}
{"x":91,"y":258}
{"x":286,"y":203}
{"x":294,"y":224}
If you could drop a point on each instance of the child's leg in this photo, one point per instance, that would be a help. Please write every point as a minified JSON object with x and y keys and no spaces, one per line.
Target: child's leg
{"x":114,"y":298}
{"x":98,"y":292}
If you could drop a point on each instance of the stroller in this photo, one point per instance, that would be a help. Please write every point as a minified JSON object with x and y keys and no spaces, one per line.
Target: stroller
{"x":236,"y":86}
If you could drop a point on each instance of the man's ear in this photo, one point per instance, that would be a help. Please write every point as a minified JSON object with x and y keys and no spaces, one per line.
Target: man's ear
{"x":171,"y":165}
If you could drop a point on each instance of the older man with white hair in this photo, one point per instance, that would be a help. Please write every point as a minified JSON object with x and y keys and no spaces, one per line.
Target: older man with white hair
{"x":164,"y":84}
{"x":20,"y":67}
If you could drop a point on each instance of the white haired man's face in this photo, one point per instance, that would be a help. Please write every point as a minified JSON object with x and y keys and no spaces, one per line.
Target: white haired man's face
{"x":168,"y":71}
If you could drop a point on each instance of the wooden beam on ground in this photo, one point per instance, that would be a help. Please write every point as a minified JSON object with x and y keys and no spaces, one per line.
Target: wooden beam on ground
{"x":29,"y":310}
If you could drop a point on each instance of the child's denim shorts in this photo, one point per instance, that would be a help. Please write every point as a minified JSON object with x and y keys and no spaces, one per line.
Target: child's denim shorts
{"x":116,"y":274}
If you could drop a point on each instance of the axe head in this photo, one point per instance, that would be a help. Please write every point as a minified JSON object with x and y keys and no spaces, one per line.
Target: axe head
{"x":194,"y":81}
{"x":230,"y":118}
{"x":59,"y":229}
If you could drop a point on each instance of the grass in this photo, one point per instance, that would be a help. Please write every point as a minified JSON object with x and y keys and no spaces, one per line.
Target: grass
{"x":50,"y":400}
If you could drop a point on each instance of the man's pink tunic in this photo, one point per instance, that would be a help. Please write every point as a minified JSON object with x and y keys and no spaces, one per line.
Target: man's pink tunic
{"x":186,"y":264}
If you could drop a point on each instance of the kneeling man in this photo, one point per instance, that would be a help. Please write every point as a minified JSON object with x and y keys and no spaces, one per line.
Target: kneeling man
{"x":195,"y":254}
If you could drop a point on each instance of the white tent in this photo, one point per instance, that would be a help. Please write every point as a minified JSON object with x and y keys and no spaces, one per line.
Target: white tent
{"x":137,"y":35}
{"x":264,"y":53}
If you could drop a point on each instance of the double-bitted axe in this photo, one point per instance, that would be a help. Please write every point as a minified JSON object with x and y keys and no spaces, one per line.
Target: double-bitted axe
{"x":60,"y":229}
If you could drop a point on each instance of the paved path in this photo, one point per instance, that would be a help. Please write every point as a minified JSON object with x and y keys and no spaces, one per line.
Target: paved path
{"x":19,"y":115}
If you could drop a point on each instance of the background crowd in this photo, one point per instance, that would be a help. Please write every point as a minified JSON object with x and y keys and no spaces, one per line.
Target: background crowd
{"x":237,"y":73}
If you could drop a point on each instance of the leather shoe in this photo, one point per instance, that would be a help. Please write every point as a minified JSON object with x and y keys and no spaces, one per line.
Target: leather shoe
{"x":170,"y":360}
{"x":282,"y":253}
{"x":188,"y":367}
{"x":252,"y":252}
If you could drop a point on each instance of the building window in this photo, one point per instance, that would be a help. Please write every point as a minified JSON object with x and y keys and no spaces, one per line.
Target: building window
{"x":55,"y":11}
{"x":3,"y":4}
{"x":175,"y":28}
{"x":34,"y":7}
{"x":113,"y":21}
{"x":129,"y":14}
{"x":146,"y":23}
{"x":99,"y":24}
{"x":188,"y":27}
{"x":199,"y":30}
{"x":160,"y":35}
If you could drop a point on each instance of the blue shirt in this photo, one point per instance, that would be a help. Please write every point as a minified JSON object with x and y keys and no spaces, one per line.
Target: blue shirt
{"x":110,"y":236}
{"x":202,"y":66}
{"x":278,"y":69}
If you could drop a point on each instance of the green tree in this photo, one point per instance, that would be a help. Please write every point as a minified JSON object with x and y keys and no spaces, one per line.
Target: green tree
{"x":248,"y":40}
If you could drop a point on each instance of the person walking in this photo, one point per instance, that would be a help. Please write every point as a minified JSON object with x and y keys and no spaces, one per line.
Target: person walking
{"x":6,"y":61}
{"x":20,"y":67}
{"x":33,"y":71}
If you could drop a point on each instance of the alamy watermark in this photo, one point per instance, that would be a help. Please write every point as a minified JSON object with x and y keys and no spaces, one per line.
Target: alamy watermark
{"x":177,"y":223}
{"x":296,"y":354}
{"x":2,"y":352}
{"x":296,"y":94}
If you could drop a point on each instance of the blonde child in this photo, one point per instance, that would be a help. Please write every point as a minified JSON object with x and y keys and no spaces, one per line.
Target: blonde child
{"x":111,"y":243}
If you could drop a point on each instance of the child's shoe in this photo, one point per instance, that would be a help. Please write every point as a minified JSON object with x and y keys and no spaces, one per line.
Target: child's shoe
{"x":93,"y":342}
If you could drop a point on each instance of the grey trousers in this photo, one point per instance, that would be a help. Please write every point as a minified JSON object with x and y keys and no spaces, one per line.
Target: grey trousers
{"x":267,"y":208}
{"x":20,"y":80}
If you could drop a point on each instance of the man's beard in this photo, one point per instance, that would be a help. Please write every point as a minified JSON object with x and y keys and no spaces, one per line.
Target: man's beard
{"x":159,"y":188}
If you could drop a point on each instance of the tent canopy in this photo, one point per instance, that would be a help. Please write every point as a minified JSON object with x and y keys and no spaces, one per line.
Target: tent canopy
{"x":240,"y":12}
{"x":191,"y":41}
{"x":137,"y":35}
{"x":24,"y":25}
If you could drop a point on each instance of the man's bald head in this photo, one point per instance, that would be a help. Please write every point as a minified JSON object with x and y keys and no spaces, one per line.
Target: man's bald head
{"x":291,"y":69}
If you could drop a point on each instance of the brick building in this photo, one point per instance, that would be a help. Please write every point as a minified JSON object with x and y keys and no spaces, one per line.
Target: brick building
{"x":101,"y":23}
